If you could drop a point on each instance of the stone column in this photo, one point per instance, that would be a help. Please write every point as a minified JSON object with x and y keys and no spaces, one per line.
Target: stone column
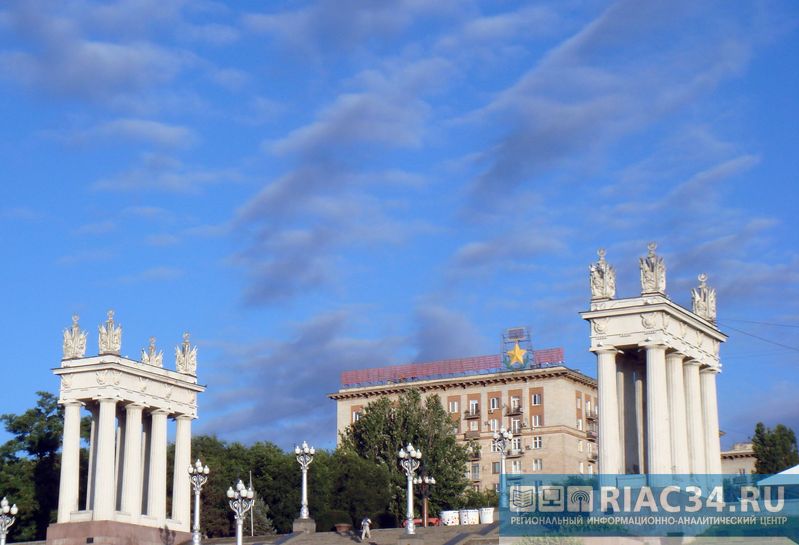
{"x":95,"y":414}
{"x":657,"y":411}
{"x":640,"y":417}
{"x":631,"y":440}
{"x":696,"y":426}
{"x":181,"y":499}
{"x":621,"y":404}
{"x":679,"y":430}
{"x":156,"y":489}
{"x":70,"y":462}
{"x":710,"y":414}
{"x":104,"y":474}
{"x":132,"y":471}
{"x":609,"y":451}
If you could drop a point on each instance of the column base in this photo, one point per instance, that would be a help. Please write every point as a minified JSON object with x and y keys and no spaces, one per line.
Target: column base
{"x":305,"y":526}
{"x":111,"y":532}
{"x":413,"y":539}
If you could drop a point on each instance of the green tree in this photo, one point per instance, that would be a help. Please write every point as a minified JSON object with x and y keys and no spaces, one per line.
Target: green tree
{"x":387,"y":425}
{"x":30,"y":465}
{"x":775,"y":449}
{"x":359,"y":486}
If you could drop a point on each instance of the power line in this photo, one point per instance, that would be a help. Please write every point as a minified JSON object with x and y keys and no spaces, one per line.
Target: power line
{"x":775,"y":343}
{"x":764,"y":323}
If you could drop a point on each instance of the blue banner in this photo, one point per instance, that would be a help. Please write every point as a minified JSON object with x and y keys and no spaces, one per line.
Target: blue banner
{"x":650,"y":506}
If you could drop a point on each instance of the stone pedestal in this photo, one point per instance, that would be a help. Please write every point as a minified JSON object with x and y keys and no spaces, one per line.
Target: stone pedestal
{"x":414,"y":539}
{"x":110,"y":532}
{"x":305,"y":526}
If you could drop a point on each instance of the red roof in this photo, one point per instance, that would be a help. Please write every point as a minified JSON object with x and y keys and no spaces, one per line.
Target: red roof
{"x":417,"y":371}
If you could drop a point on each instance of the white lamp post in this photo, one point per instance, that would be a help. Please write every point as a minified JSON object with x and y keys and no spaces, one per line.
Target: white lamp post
{"x":304,"y":457}
{"x":424,"y":482}
{"x":198,"y":475}
{"x":501,"y":440}
{"x":6,"y":520}
{"x":241,"y":500}
{"x":409,"y":459}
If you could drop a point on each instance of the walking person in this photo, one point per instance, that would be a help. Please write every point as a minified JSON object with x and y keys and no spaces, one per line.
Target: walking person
{"x":365,"y":523}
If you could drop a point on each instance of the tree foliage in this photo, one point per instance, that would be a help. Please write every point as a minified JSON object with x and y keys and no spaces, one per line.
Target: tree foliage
{"x":30,"y":465}
{"x":775,"y":449}
{"x":387,"y":425}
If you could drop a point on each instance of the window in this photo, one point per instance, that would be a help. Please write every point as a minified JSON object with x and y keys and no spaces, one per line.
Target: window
{"x":476,"y":472}
{"x":453,"y":406}
{"x":493,"y":424}
{"x":494,"y":446}
{"x":580,"y":424}
{"x":474,"y":408}
{"x":536,"y":400}
{"x":538,"y":441}
{"x":515,"y":425}
{"x":582,"y":468}
{"x":579,"y":402}
{"x":493,"y":403}
{"x":580,"y":446}
{"x":516,"y":443}
{"x":515,"y":402}
{"x":356,"y":416}
{"x":538,"y":464}
{"x":495,"y":468}
{"x":496,"y":487}
{"x":473,"y":425}
{"x":590,"y":469}
{"x":536,"y":423}
{"x":588,"y":406}
{"x":515,"y":466}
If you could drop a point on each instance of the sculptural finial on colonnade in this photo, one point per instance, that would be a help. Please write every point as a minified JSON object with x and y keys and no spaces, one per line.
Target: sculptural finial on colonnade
{"x":703,"y":300}
{"x":603,"y":278}
{"x":653,"y":272}
{"x":110,"y":341}
{"x":74,"y":341}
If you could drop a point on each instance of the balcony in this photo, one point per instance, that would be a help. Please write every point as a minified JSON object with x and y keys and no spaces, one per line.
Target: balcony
{"x":592,"y":456}
{"x":514,"y":453}
{"x":471,"y":434}
{"x":591,"y":434}
{"x":514,"y":411}
{"x":472,"y":414}
{"x":474,"y":455}
{"x":591,"y":416}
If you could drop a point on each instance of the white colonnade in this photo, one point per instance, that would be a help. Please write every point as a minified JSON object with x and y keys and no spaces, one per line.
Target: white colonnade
{"x":137,"y":493}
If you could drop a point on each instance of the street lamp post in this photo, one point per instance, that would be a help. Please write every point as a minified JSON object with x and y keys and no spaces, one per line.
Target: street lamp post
{"x":241,"y":500}
{"x":501,"y":440}
{"x":304,"y":457}
{"x":198,"y":475}
{"x":7,"y":518}
{"x":424,"y":482}
{"x":409,"y":459}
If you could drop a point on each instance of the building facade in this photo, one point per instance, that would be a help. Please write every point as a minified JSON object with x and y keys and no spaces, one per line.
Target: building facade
{"x":549,"y":408}
{"x":739,"y":460}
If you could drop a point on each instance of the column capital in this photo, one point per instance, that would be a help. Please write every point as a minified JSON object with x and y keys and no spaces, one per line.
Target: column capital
{"x":690,"y":362}
{"x":160,"y":412}
{"x":135,"y":406}
{"x":606,"y":349}
{"x":708,"y":370}
{"x":181,"y":416}
{"x":71,"y":402}
{"x":653,"y":344}
{"x":674,"y":355}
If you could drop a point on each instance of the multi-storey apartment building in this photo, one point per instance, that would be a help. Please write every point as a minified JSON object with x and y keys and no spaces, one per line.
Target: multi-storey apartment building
{"x":551,"y":409}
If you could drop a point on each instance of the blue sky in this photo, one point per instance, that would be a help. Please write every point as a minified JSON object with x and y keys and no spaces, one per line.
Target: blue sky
{"x":310,"y":187}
